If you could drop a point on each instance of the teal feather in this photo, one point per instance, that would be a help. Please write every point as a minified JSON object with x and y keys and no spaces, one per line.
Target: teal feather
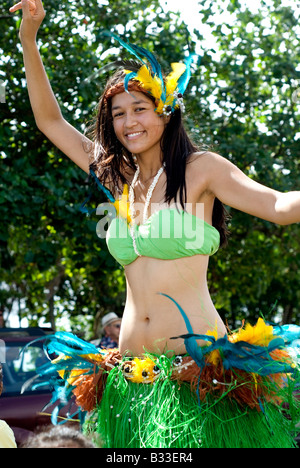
{"x":185,"y":77}
{"x":103,"y":189}
{"x":127,"y":78}
{"x":68,"y":344}
{"x":289,"y":332}
{"x":240,"y":355}
{"x":141,"y":53}
{"x":130,"y":47}
{"x":64,"y":344}
{"x":190,"y":340}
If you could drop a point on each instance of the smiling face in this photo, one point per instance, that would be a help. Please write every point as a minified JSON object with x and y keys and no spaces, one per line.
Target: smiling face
{"x":138,"y":128}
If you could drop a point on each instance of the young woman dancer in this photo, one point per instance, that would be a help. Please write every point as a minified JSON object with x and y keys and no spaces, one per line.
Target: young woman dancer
{"x":165,"y":387}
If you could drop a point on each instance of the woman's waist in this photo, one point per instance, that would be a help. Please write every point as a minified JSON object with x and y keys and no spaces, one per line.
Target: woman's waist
{"x":164,"y":298}
{"x":146,"y":277}
{"x":155,"y":322}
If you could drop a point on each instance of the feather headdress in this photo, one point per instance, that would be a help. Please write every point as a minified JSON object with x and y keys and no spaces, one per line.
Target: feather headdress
{"x":168,"y":92}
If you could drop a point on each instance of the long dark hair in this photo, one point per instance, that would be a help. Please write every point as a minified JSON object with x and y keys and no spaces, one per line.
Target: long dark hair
{"x":111,"y":160}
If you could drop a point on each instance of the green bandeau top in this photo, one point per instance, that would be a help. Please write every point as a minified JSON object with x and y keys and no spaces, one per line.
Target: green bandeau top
{"x":167,"y":234}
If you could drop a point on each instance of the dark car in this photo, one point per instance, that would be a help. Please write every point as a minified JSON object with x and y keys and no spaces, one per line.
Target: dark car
{"x":23,"y":412}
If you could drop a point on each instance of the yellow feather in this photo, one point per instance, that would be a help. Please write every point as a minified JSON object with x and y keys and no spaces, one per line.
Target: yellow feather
{"x":154,"y":85}
{"x":260,"y":334}
{"x":151,"y":84}
{"x":172,"y":78}
{"x":122,"y":205}
{"x":142,"y":371}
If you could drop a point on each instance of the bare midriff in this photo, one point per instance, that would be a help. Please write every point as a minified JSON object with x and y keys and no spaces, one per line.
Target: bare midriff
{"x":151,"y":320}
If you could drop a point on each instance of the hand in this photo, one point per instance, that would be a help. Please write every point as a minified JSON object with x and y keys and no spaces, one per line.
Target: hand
{"x":33,"y":15}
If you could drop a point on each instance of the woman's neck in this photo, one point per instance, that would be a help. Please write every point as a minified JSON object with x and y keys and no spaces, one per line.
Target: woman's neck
{"x":148,"y":167}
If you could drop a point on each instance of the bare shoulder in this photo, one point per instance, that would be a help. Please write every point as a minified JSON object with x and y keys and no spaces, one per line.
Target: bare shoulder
{"x":206,"y":159}
{"x":204,"y":165}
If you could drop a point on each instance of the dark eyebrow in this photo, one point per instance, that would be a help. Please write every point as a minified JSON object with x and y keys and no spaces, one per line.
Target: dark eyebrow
{"x":140,"y":101}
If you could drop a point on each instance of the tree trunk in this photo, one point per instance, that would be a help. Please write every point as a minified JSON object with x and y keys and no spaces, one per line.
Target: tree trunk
{"x":287,"y":314}
{"x":51,"y":312}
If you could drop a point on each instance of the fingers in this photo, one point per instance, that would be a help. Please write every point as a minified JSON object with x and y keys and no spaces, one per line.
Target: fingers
{"x":30,"y":5}
{"x":16,"y":7}
{"x":39,"y":3}
{"x":39,"y":7}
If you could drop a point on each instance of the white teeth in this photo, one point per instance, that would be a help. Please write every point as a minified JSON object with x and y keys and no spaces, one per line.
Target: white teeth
{"x":132,"y":135}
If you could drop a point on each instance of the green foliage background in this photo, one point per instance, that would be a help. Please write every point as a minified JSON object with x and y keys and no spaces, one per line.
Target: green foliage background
{"x":241,"y":102}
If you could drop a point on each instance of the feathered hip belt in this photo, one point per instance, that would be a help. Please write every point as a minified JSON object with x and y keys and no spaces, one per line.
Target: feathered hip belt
{"x":250,"y":366}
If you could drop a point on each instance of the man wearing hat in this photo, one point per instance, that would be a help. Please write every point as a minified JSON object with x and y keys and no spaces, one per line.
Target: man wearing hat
{"x":111,"y":325}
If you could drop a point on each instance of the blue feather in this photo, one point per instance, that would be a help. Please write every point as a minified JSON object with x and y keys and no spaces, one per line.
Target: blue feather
{"x":240,"y":355}
{"x":130,"y":47}
{"x":185,"y":77}
{"x":288,"y":332}
{"x":83,"y":207}
{"x":190,"y":341}
{"x":128,"y":77}
{"x":102,"y":188}
{"x":140,"y":53}
{"x":155,"y":66}
{"x":68,"y":344}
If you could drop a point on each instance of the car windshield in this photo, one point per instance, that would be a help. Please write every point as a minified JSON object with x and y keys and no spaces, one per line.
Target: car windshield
{"x":19,"y":367}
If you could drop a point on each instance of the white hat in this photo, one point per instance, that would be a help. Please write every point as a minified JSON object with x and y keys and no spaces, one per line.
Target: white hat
{"x":109,"y":318}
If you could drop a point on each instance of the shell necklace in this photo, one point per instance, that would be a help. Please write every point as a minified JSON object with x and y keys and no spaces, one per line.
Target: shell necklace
{"x":148,"y":195}
{"x":147,"y":202}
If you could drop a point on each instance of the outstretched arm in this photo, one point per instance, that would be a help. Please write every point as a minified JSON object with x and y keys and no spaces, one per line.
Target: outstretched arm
{"x":46,"y":110}
{"x":235,"y":189}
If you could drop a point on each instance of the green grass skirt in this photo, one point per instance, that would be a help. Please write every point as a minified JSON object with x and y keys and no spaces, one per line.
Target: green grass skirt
{"x":236,"y":392}
{"x":167,"y":414}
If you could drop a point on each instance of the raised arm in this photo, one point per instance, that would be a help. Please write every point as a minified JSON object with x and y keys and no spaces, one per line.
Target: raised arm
{"x":235,"y":189}
{"x":46,"y":110}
